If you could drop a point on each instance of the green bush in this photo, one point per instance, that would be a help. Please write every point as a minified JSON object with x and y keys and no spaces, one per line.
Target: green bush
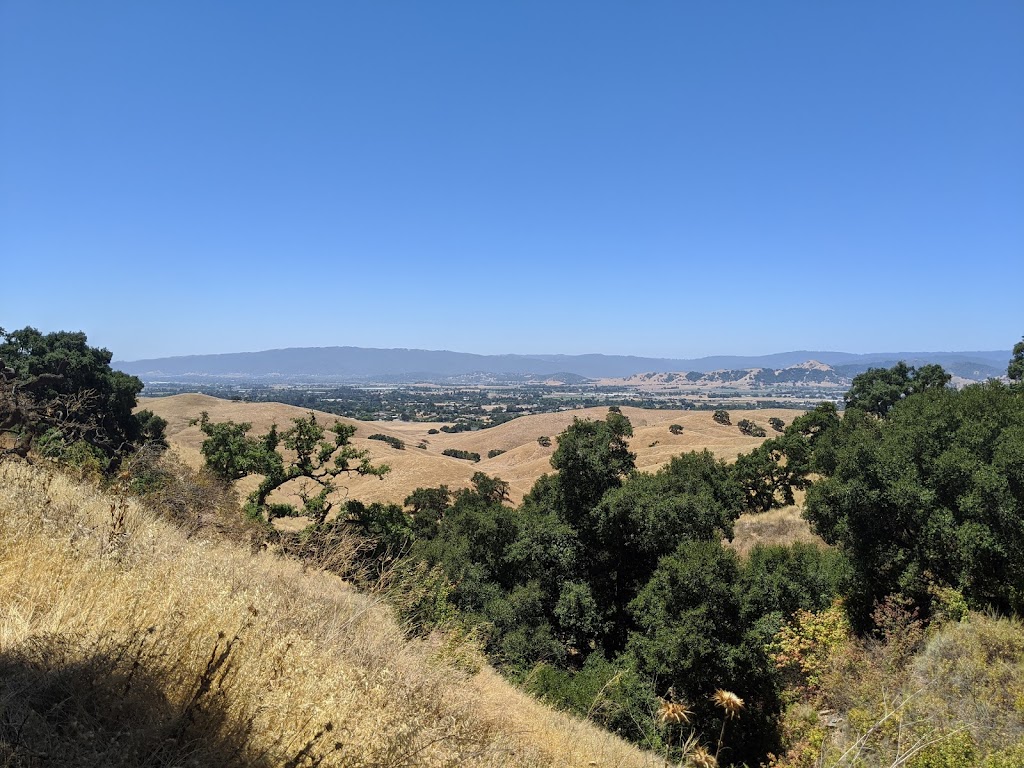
{"x":751,"y":429}
{"x":722,"y":417}
{"x":494,"y":452}
{"x":394,"y":442}
{"x":458,"y":453}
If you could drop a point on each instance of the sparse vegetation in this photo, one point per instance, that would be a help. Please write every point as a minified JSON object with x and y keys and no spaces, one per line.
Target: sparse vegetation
{"x":494,"y":452}
{"x":544,"y":441}
{"x":676,"y":429}
{"x":722,"y":417}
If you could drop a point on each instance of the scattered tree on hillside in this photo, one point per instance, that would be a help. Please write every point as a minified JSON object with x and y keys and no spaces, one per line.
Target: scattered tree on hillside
{"x":458,"y":453}
{"x":676,"y":429}
{"x":544,"y":441}
{"x":314,"y":462}
{"x":494,"y":452}
{"x":722,"y":417}
{"x":56,"y":386}
{"x":394,"y":442}
{"x":776,"y":423}
{"x":750,"y":428}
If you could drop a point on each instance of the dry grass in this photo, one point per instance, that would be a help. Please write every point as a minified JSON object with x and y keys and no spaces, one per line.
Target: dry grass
{"x":778,"y":526}
{"x":520,"y":466}
{"x":122,"y":642}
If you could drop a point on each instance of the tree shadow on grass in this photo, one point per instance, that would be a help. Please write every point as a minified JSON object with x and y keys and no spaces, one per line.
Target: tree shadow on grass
{"x":68,"y":702}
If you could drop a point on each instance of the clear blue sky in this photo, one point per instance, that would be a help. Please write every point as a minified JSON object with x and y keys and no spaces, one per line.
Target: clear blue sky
{"x":654,"y":178}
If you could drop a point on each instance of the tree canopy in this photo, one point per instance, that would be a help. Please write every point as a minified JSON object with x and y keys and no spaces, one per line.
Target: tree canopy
{"x":55,"y":384}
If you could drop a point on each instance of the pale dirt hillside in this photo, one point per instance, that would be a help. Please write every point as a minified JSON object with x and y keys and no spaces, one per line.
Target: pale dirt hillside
{"x":524,"y":461}
{"x":123,"y":643}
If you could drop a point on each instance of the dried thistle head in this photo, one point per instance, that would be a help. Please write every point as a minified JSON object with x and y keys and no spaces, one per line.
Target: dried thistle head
{"x":673,"y":712}
{"x":728,"y":701}
{"x":699,"y":757}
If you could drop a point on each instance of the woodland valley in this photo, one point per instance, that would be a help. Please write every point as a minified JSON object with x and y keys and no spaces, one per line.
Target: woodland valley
{"x":730,"y":568}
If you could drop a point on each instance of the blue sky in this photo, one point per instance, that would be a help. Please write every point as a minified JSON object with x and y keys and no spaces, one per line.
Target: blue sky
{"x":655,"y":178}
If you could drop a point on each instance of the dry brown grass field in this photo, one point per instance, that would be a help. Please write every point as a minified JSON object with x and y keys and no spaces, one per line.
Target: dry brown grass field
{"x":124,"y":642}
{"x":522,"y":463}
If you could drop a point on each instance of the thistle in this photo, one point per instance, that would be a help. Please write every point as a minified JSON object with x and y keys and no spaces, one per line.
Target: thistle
{"x":728,"y":701}
{"x":673,"y":712}
{"x":699,"y":757}
{"x":732,"y":705}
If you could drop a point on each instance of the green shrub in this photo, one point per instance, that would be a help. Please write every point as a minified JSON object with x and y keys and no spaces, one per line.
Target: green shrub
{"x":722,"y":417}
{"x":394,"y":442}
{"x":544,"y":441}
{"x":750,"y":428}
{"x":458,"y":453}
{"x":494,"y":452}
{"x":676,"y":429}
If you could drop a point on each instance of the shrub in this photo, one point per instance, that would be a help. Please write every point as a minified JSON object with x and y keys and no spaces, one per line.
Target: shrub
{"x":432,"y":431}
{"x":494,"y":452}
{"x":750,"y":428}
{"x":676,"y":429}
{"x":776,"y":423}
{"x":458,"y":453}
{"x":544,"y":441}
{"x":394,"y":442}
{"x":722,"y":417}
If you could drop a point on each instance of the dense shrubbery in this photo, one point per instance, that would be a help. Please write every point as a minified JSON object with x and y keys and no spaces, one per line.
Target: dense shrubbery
{"x":494,"y":452}
{"x":394,"y":442}
{"x":60,"y":396}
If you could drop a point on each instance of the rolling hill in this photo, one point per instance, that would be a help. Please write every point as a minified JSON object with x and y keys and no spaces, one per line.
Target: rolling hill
{"x":523,"y":460}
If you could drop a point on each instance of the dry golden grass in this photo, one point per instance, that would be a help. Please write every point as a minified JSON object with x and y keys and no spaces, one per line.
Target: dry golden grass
{"x":522,"y":463}
{"x":778,"y":526}
{"x":124,"y":643}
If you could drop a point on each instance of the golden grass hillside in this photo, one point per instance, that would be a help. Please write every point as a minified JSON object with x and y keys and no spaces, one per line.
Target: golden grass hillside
{"x":125,"y":643}
{"x":522,"y":463}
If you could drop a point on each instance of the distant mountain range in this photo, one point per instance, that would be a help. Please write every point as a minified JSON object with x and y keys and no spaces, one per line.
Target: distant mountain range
{"x":360,"y":364}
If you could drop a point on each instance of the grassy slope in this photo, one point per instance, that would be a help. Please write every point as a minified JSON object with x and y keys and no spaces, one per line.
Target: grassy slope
{"x":521,"y":465}
{"x":122,"y":642}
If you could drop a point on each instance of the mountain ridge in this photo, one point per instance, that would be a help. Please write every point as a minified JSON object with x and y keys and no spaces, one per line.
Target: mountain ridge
{"x":354,"y":363}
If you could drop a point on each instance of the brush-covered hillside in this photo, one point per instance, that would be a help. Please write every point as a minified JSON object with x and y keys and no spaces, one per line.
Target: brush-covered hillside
{"x":421,"y":463}
{"x":127,"y":640}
